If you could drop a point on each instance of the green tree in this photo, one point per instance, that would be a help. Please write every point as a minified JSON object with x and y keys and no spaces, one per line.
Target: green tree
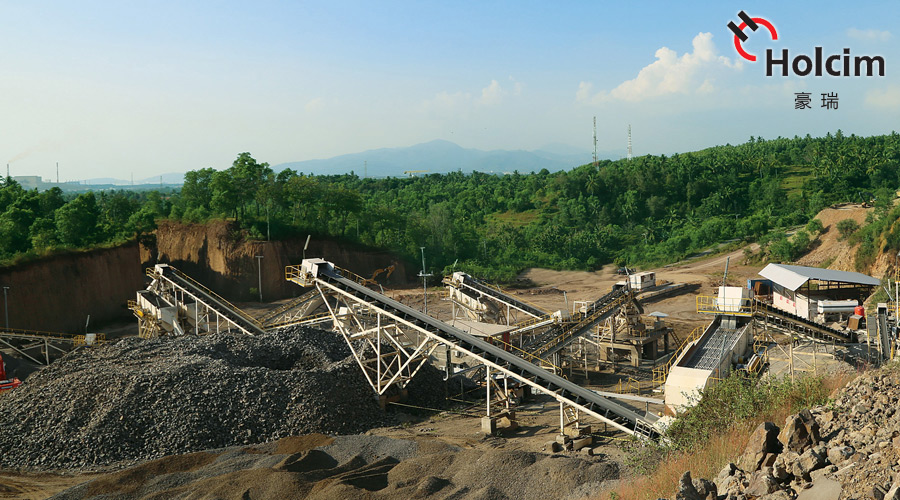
{"x":43,"y":234}
{"x":14,"y":224}
{"x":76,"y":222}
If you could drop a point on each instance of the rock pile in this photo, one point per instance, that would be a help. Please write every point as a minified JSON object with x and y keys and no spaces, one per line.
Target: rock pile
{"x":139,"y":399}
{"x":849,"y":449}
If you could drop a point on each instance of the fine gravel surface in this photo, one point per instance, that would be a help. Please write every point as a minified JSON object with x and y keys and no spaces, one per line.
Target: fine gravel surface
{"x":143,"y":399}
{"x":318,"y":467}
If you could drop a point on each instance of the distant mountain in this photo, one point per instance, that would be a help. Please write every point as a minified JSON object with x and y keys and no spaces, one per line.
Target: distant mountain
{"x":441,"y":156}
{"x":169,"y":178}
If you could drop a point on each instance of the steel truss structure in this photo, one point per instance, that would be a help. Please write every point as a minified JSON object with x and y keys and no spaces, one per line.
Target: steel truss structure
{"x":37,"y":346}
{"x":175,"y":304}
{"x":482,"y":302}
{"x":391,"y":342}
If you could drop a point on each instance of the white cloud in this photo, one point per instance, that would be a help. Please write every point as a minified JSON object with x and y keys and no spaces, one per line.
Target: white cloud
{"x":492,"y":94}
{"x":314,"y":105}
{"x":692,"y":72}
{"x":888,"y":97}
{"x":870,"y":35}
{"x":460,"y":101}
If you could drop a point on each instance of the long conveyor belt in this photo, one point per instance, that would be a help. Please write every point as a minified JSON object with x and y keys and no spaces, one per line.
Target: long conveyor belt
{"x":529,"y":309}
{"x":558,"y":337}
{"x":492,"y":356}
{"x":817,"y":330}
{"x":222,"y":306}
{"x":271,"y":317}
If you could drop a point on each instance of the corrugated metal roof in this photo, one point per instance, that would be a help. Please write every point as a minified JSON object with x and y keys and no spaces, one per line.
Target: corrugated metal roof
{"x":793,"y":277}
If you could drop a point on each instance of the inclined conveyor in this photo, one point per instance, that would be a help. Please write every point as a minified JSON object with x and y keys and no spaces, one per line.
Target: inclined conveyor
{"x":325,"y":277}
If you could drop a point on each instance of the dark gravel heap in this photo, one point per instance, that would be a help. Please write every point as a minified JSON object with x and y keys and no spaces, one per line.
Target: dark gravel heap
{"x":139,"y":399}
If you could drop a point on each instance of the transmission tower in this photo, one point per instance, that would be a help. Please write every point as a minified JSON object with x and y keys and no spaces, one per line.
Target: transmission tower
{"x":629,"y":141}
{"x":595,"y":142}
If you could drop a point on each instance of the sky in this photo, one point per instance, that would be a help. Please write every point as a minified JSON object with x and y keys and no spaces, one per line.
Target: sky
{"x":120,"y":89}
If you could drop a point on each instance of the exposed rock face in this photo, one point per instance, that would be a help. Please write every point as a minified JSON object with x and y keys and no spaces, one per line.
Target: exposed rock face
{"x":849,"y":449}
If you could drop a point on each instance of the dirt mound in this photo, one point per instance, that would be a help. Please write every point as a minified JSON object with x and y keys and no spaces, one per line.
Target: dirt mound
{"x":830,"y":250}
{"x":139,"y":399}
{"x":362,"y":467}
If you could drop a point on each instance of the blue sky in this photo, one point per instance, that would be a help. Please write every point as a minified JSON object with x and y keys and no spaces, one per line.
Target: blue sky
{"x":114,"y":88}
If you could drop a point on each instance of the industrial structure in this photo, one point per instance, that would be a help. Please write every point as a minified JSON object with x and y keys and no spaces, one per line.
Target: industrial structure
{"x":515,"y":348}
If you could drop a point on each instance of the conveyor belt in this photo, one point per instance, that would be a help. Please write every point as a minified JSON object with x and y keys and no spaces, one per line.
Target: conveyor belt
{"x":220,"y":305}
{"x":709,"y":352}
{"x":529,"y":309}
{"x":23,"y":341}
{"x":271,"y":317}
{"x":558,"y":337}
{"x":803,"y":325}
{"x":561,"y":389}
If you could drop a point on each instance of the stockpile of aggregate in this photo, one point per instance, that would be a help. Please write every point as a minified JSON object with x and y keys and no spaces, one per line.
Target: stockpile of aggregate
{"x":142,"y":399}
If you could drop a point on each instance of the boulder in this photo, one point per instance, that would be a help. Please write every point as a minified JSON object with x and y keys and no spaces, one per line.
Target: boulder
{"x":686,"y":489}
{"x":763,"y":441}
{"x":761,"y":483}
{"x":706,"y":489}
{"x":811,"y":459}
{"x":800,"y":432}
{"x":839,"y":454}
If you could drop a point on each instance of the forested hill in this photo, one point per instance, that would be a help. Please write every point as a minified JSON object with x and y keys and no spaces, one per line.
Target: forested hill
{"x":651,"y":209}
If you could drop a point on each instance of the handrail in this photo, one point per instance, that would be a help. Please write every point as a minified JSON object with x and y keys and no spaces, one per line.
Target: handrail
{"x":661,"y":373}
{"x":498,"y":289}
{"x":529,"y":356}
{"x":720,"y":305}
{"x":301,"y":321}
{"x":634,"y":386}
{"x":270,"y":316}
{"x":218,"y":297}
{"x":56,"y":336}
{"x":577,"y":327}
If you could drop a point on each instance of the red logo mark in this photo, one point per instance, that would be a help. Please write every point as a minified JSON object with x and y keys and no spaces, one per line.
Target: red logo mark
{"x":740,"y":37}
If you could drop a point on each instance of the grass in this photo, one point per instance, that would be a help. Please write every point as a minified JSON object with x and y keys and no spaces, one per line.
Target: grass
{"x":36,"y":255}
{"x":516,"y":219}
{"x":793,"y":178}
{"x":716,"y":431}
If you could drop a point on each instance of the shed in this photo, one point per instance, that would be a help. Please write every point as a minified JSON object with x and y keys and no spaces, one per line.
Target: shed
{"x":798,"y":289}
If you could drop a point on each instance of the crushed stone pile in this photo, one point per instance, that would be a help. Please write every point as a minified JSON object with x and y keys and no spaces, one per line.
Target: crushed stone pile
{"x":142,"y":399}
{"x":847,"y":449}
{"x":317,"y":467}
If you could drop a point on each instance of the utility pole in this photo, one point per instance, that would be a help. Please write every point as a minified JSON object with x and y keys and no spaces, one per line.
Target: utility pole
{"x":424,"y":276}
{"x":259,"y":274}
{"x":629,"y":141}
{"x":595,"y":142}
{"x":57,"y":172}
{"x":6,"y":306}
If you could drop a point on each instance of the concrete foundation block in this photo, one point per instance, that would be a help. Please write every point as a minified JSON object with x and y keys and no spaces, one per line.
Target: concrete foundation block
{"x":578,"y":444}
{"x":488,"y":425}
{"x":574,"y":433}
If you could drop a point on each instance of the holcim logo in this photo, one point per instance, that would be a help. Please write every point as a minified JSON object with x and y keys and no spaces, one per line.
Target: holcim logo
{"x":803,"y":65}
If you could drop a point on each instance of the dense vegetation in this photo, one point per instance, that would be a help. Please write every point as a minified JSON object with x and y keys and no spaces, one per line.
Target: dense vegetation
{"x":650,"y":209}
{"x":33,"y":223}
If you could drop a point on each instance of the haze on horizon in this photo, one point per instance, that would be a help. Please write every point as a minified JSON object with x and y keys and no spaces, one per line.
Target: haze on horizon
{"x":113,"y":90}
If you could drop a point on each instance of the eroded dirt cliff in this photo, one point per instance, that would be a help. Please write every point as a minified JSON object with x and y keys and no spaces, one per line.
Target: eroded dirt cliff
{"x":217,"y":255}
{"x":57,"y":293}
